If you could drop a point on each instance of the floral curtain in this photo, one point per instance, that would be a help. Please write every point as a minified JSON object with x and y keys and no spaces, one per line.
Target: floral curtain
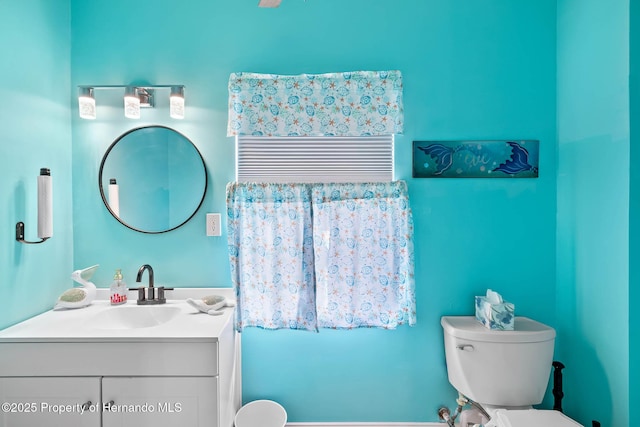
{"x":362,"y":240}
{"x":360,"y":103}
{"x":305,"y":256}
{"x":271,"y":254}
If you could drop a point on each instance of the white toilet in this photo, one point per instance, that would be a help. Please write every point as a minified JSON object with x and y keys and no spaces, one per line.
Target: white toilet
{"x":506,"y":372}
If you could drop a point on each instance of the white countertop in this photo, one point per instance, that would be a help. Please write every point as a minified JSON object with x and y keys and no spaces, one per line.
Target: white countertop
{"x":75,"y":325}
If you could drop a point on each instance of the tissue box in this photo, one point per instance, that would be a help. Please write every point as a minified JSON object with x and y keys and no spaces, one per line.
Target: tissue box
{"x":495,"y":316}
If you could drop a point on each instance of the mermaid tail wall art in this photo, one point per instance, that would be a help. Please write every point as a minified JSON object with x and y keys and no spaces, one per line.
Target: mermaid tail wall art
{"x":518,"y":162}
{"x":475,"y":159}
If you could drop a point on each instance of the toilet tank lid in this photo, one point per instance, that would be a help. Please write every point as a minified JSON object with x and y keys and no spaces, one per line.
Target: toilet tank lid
{"x":524,"y":330}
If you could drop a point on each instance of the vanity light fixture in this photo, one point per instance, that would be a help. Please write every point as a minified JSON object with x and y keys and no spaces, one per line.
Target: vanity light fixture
{"x":131,"y":103}
{"x":176,"y":102}
{"x":135,"y":98}
{"x":86,"y":103}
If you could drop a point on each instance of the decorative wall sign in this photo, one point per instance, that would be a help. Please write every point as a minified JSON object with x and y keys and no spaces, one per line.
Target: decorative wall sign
{"x":475,"y":159}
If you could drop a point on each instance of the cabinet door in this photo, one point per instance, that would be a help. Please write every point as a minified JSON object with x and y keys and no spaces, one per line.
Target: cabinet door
{"x":160,"y":401}
{"x":50,"y":401}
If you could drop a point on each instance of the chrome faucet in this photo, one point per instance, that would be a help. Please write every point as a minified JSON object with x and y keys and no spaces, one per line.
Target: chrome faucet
{"x":150,"y":297}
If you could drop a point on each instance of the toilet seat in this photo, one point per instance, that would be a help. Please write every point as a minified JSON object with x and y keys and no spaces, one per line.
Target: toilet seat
{"x":532,"y":418}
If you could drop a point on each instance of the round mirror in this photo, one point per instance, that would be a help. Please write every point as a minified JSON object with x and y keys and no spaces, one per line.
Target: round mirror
{"x":152,"y":179}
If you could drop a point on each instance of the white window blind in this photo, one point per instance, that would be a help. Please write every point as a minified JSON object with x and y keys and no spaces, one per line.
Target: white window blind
{"x":314,"y":159}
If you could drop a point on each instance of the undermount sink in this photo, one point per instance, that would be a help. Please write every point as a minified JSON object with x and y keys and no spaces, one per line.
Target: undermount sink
{"x":132,"y":317}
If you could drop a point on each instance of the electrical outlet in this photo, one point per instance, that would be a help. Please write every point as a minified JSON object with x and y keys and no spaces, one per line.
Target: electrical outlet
{"x":214,"y":228}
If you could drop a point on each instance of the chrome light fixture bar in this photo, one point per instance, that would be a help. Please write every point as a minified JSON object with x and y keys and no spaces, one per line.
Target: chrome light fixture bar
{"x":135,"y":97}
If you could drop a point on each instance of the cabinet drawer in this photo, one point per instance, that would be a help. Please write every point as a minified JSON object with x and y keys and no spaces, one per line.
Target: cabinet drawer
{"x":109,"y":358}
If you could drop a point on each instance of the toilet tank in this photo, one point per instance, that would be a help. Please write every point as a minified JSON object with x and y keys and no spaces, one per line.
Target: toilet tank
{"x":499,"y":368}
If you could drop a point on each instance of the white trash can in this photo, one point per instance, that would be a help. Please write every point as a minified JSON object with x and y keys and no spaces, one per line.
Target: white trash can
{"x":261,"y":413}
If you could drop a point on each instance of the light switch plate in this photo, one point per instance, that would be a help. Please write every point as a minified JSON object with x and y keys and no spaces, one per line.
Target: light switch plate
{"x":214,"y":228}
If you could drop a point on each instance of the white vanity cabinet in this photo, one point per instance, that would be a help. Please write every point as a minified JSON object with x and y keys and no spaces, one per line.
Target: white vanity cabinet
{"x":183,"y":373}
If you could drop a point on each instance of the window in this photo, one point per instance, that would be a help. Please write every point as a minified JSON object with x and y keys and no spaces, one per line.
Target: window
{"x":314,"y":159}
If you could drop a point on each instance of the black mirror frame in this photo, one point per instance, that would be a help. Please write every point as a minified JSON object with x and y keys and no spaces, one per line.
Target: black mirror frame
{"x":106,"y":202}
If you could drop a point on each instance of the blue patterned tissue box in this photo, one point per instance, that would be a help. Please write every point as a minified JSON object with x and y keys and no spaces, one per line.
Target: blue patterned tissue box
{"x":495,"y":316}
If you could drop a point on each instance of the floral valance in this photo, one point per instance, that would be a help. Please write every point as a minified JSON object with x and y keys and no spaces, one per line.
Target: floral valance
{"x":361,"y":103}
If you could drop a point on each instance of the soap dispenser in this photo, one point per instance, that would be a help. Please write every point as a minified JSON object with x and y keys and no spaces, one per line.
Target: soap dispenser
{"x":118,"y":290}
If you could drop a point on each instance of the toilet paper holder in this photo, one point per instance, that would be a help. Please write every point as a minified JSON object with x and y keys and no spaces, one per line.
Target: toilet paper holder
{"x":45,"y":210}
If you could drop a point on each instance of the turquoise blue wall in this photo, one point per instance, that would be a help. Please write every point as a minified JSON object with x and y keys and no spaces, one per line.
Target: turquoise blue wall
{"x":35,"y":122}
{"x":472,"y":70}
{"x":634,"y":210}
{"x":593,"y":208}
{"x":483,"y":70}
